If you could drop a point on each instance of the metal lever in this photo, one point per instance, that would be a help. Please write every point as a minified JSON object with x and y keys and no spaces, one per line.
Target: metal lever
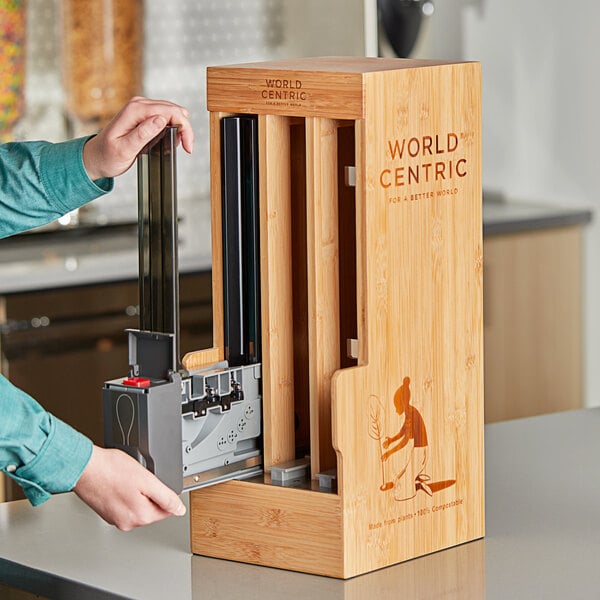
{"x":157,"y":231}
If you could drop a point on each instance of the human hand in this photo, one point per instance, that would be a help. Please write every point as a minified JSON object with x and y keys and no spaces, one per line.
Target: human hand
{"x":124,"y":493}
{"x":115,"y":148}
{"x":386,"y":442}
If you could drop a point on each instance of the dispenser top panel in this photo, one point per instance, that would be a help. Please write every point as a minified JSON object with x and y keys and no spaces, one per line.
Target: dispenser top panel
{"x":331,"y":87}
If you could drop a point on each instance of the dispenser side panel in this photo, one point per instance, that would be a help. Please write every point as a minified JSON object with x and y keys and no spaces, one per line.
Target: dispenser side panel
{"x":408,"y":424}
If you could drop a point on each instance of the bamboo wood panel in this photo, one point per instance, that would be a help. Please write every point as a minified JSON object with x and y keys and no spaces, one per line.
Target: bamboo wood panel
{"x":203,"y":358}
{"x":276,"y":289}
{"x":423,"y":303}
{"x":323,"y":283}
{"x":260,"y":524}
{"x":199,"y":359}
{"x":407,"y":422}
{"x":216,"y":229}
{"x":330,"y":87}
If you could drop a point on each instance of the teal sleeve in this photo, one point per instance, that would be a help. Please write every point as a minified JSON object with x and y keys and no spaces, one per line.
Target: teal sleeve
{"x":41,"y":181}
{"x":43,"y":454}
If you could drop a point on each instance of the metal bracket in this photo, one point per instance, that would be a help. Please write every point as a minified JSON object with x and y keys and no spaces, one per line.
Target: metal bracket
{"x":291,"y":473}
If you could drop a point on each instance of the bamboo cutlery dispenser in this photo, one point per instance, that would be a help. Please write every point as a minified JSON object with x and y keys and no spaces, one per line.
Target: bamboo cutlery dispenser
{"x":368,"y":270}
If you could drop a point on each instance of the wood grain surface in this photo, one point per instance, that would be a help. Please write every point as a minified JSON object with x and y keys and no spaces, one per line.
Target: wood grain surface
{"x":276,"y":289}
{"x":406,"y":423}
{"x":323,"y":283}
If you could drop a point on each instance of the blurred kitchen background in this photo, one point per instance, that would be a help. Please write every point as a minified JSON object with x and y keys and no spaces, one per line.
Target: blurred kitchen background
{"x":68,"y":291}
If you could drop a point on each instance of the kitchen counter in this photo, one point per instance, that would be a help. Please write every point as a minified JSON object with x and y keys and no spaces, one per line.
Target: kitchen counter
{"x":500,"y":216}
{"x":542,"y":538}
{"x":109,"y":253}
{"x":95,"y":253}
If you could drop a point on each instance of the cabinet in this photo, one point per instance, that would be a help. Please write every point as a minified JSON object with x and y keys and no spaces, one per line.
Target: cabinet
{"x":532,"y":322}
{"x":61,"y":345}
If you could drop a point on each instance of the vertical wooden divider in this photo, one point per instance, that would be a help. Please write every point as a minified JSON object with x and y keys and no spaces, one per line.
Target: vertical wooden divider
{"x":276,"y":289}
{"x":203,"y":358}
{"x":216,"y":229}
{"x":323,"y":283}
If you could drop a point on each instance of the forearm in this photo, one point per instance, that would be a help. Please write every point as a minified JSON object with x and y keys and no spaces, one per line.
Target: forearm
{"x":395,"y":437}
{"x":39,"y":451}
{"x":40,"y":182}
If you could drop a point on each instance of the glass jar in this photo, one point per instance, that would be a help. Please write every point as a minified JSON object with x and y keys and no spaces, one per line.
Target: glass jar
{"x":12,"y":61}
{"x":102,"y":58}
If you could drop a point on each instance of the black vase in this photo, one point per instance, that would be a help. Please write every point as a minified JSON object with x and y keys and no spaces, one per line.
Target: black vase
{"x":401,"y":20}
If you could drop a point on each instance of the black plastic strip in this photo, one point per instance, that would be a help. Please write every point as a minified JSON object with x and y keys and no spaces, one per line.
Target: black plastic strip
{"x":241,"y":260}
{"x":157,"y":229}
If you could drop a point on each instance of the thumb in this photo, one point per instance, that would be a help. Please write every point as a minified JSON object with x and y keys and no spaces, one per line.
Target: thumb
{"x":146,"y":130}
{"x":165,"y":498}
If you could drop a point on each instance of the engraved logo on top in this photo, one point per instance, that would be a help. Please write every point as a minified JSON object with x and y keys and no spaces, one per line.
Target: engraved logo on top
{"x":283,"y":92}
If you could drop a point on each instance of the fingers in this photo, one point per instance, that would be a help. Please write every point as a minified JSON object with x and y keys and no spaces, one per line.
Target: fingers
{"x":136,"y":513}
{"x":136,"y":139}
{"x":186,"y":135}
{"x":116,"y":147}
{"x":123,"y":493}
{"x":140,"y":110}
{"x":165,"y":498}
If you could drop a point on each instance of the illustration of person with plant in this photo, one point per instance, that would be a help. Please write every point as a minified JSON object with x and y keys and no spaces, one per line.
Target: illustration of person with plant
{"x":412,"y":435}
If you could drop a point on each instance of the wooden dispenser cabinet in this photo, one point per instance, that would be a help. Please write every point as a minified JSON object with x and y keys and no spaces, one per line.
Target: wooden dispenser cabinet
{"x":371,"y":309}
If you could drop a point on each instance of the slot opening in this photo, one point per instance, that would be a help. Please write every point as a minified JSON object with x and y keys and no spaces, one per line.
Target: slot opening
{"x":347,"y":245}
{"x":308,"y":284}
{"x":297,"y":134}
{"x":320,"y":152}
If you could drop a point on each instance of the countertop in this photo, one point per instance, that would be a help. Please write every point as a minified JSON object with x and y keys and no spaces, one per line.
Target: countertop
{"x":109,"y":253}
{"x":502,"y":217}
{"x":542,"y":538}
{"x":95,"y":254}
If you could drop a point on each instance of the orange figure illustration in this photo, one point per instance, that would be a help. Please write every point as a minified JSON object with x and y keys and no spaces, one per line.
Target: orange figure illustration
{"x":412,"y":437}
{"x":408,"y":447}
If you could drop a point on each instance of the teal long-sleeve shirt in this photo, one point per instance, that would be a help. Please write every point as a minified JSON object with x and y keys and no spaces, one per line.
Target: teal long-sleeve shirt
{"x":40,"y":182}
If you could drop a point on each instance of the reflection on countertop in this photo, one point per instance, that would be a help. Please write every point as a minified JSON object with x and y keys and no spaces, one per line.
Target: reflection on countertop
{"x":54,"y":257}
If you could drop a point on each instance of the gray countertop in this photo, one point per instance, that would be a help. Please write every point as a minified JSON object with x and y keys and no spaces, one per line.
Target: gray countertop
{"x":542,"y":538}
{"x":88,"y":255}
{"x":502,"y":217}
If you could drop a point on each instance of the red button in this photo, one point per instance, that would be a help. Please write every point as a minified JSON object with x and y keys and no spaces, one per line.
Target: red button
{"x":137,"y":382}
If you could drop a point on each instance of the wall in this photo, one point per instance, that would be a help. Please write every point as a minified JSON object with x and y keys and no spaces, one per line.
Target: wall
{"x":181,"y":39}
{"x":541,"y":123}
